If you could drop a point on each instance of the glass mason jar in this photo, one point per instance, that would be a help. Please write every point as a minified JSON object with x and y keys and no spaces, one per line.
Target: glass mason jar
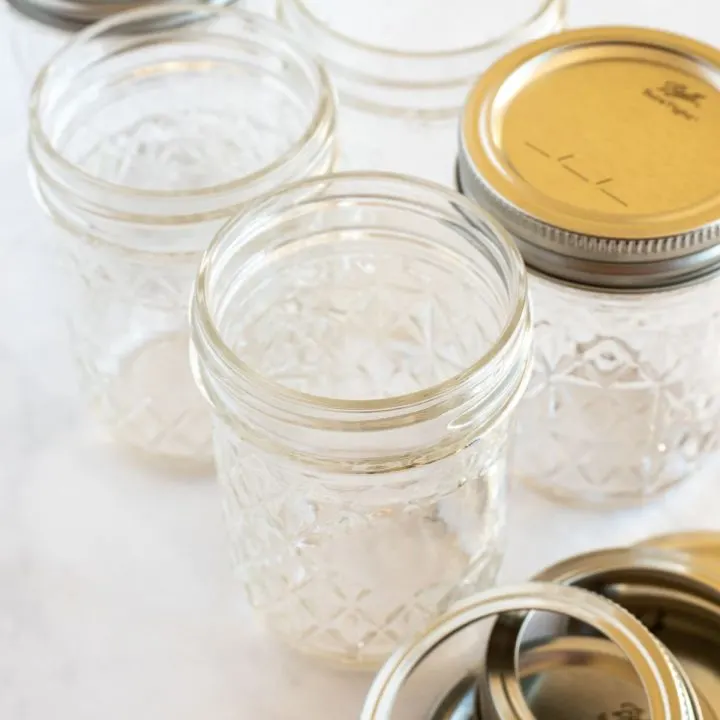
{"x":363,"y":340}
{"x":142,"y":143}
{"x":403,"y":69}
{"x":37,"y":29}
{"x":604,"y":164}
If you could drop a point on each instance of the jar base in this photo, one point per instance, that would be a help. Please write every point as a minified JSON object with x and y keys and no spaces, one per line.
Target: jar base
{"x":150,"y":405}
{"x":185,"y":467}
{"x":480,"y":577}
{"x":324,"y":661}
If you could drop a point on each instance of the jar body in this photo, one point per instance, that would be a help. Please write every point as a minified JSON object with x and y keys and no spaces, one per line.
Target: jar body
{"x":363,"y":480}
{"x":142,"y":144}
{"x":625,"y":396}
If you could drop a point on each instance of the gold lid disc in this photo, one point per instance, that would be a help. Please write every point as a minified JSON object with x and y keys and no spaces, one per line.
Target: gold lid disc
{"x":600,"y":150}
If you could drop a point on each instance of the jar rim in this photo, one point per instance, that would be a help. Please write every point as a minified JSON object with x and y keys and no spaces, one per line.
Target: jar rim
{"x":543,"y":7}
{"x":201,"y":319}
{"x":323,"y":118}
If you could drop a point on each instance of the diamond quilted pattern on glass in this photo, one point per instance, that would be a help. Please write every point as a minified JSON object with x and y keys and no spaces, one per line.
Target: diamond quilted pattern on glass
{"x":131,"y":348}
{"x":625,"y":396}
{"x":352,"y":575}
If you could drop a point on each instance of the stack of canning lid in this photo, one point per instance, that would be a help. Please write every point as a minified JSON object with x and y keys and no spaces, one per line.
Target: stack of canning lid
{"x":634,"y":634}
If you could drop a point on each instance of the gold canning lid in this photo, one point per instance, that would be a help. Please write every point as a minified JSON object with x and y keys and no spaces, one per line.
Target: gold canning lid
{"x":600,"y":150}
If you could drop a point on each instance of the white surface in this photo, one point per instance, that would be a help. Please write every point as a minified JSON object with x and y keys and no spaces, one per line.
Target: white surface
{"x":116,"y":596}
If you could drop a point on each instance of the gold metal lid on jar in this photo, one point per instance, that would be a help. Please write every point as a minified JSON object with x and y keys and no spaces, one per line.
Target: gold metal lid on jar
{"x":600,"y":150}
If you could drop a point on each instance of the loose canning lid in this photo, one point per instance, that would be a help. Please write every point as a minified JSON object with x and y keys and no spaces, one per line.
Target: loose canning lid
{"x":676,"y":595}
{"x":578,"y":677}
{"x":584,"y":677}
{"x":689,"y":627}
{"x":666,"y":693}
{"x":73,"y":15}
{"x":598,"y":149}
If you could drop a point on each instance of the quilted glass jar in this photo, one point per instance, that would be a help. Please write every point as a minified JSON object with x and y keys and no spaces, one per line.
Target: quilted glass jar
{"x":604,"y":164}
{"x":403,"y":68}
{"x":363,"y":340}
{"x":37,"y":29}
{"x":142,"y":143}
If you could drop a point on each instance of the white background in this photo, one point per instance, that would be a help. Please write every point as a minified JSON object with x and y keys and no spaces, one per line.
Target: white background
{"x":116,"y":595}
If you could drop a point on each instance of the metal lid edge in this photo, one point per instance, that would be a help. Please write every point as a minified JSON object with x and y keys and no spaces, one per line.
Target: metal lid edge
{"x":661,"y":269}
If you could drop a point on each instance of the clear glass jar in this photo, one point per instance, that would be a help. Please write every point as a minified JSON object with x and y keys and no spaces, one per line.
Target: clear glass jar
{"x":142,"y":144}
{"x":597,"y":148}
{"x":403,"y":70}
{"x":362,"y":340}
{"x":628,"y":386}
{"x":37,"y":29}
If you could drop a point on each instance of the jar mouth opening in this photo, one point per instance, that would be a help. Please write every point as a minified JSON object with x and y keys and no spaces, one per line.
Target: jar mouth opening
{"x":320,"y":126}
{"x":208,"y":337}
{"x":543,"y":7}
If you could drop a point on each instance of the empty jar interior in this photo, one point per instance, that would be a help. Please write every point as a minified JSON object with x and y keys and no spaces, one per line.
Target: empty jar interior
{"x":362,"y":298}
{"x":361,"y":341}
{"x":203,"y":103}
